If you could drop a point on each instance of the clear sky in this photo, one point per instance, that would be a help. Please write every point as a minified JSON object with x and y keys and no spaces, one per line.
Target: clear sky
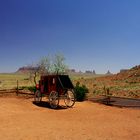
{"x":95,"y":35}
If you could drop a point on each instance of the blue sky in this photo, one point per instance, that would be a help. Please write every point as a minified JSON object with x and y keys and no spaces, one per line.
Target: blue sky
{"x":95,"y":35}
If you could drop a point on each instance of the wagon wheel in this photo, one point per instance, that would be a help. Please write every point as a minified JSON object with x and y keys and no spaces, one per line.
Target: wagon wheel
{"x":37,"y":97}
{"x":69,"y":98}
{"x":54,"y":99}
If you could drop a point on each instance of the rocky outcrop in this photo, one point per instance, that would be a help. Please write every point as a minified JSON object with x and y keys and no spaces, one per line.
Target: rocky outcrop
{"x":26,"y":69}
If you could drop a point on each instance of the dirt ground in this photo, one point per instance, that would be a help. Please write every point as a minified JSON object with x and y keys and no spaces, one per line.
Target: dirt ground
{"x":20,"y":119}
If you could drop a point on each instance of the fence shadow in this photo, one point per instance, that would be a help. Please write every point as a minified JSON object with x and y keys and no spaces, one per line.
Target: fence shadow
{"x":118,"y":102}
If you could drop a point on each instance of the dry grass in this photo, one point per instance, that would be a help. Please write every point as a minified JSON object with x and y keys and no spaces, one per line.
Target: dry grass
{"x":95,"y":84}
{"x":119,"y":88}
{"x":9,"y":81}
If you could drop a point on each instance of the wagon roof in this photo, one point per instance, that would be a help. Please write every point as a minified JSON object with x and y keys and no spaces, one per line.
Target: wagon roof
{"x":64,"y":80}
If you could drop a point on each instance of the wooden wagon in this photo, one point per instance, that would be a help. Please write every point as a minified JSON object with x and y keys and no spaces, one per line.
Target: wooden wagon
{"x":55,"y":87}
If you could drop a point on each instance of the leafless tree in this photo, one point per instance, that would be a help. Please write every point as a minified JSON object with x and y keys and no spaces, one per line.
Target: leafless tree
{"x":58,"y":65}
{"x":40,"y":68}
{"x":45,"y":66}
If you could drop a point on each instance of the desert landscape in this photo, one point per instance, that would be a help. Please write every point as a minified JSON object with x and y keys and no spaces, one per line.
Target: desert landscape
{"x":70,"y":70}
{"x":125,"y":84}
{"x":21,"y":119}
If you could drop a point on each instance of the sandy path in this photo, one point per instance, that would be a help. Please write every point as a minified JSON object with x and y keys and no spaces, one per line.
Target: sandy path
{"x":20,"y":119}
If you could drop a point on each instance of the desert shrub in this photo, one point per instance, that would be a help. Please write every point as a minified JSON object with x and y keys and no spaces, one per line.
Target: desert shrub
{"x":80,"y":92}
{"x":26,"y":79}
{"x":32,"y":88}
{"x":97,"y":92}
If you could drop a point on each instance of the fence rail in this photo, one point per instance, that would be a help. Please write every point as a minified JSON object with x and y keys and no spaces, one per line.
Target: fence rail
{"x":14,"y":84}
{"x":7,"y":91}
{"x":15,"y":92}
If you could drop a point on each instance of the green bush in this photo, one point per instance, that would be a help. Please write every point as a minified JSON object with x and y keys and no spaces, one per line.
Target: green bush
{"x":32,"y":88}
{"x":80,"y":92}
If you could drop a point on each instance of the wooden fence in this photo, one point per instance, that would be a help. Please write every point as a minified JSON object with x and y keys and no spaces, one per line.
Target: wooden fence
{"x":15,"y":90}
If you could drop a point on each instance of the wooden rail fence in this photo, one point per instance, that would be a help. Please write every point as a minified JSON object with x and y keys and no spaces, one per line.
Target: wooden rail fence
{"x":16,"y":90}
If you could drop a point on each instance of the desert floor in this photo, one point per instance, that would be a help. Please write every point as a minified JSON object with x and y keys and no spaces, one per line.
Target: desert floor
{"x":20,"y":119}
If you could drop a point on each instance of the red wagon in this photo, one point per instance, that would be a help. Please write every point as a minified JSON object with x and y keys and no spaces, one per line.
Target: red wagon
{"x":55,"y":87}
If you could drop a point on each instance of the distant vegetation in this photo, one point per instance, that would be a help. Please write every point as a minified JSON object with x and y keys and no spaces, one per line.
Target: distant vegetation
{"x":9,"y":81}
{"x":46,"y":65}
{"x":124,"y":84}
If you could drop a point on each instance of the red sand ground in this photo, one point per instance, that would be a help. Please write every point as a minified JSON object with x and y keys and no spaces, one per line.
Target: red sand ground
{"x":20,"y":119}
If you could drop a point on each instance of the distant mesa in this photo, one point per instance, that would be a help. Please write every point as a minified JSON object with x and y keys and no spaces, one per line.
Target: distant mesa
{"x":90,"y":72}
{"x":129,"y":75}
{"x":29,"y":69}
{"x":93,"y":72}
{"x":71,"y":70}
{"x":108,"y":73}
{"x":123,"y":70}
{"x":26,"y":69}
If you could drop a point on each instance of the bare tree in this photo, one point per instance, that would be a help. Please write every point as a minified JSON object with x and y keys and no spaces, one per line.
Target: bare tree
{"x":58,"y":65}
{"x":46,"y":65}
{"x":42,"y":67}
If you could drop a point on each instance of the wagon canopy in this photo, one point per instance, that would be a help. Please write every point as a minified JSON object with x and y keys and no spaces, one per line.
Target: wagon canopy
{"x":65,"y":82}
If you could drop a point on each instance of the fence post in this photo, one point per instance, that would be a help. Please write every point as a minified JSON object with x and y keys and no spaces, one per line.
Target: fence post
{"x":108,"y":96}
{"x":17,"y":88}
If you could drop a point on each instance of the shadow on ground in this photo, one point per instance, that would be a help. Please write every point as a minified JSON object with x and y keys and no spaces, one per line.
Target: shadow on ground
{"x":118,"y":102}
{"x":45,"y":104}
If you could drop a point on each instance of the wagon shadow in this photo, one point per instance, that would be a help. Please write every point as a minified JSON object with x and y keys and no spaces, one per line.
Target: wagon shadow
{"x":45,"y":104}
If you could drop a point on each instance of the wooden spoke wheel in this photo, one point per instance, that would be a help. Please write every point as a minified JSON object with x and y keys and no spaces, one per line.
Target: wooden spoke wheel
{"x":69,"y":98}
{"x":54,"y":99}
{"x":37,"y":97}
